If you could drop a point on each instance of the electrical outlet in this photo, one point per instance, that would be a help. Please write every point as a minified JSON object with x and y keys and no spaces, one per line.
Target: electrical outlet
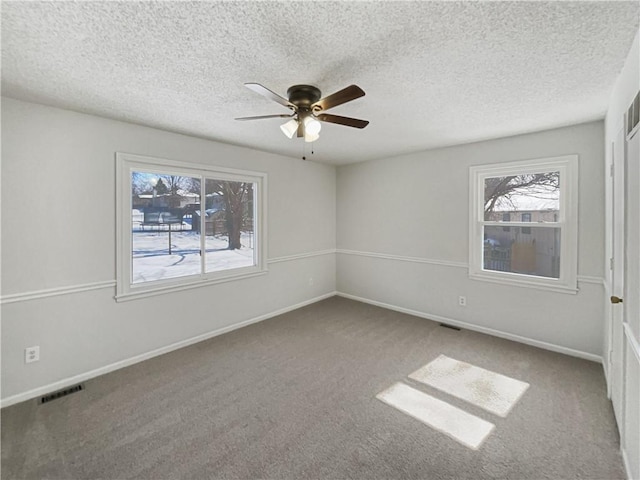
{"x":462,"y":301}
{"x":31,"y":354}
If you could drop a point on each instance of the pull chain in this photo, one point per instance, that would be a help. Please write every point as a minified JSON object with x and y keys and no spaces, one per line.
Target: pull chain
{"x":304,"y":149}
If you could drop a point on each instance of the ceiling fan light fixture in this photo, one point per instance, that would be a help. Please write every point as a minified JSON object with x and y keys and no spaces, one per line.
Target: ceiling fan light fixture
{"x":311,"y":137}
{"x":312,"y":126}
{"x":290,"y":128}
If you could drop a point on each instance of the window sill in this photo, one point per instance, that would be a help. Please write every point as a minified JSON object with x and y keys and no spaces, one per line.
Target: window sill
{"x":144,"y":292}
{"x":516,"y":280}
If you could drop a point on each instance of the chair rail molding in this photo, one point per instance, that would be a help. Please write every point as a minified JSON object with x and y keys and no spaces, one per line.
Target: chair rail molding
{"x":86,"y":287}
{"x":52,"y":292}
{"x":447,"y":263}
{"x":298,"y":256}
{"x":403,"y":258}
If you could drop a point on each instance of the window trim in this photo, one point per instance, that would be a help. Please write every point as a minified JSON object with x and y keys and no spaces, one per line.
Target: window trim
{"x":125,"y":164}
{"x":567,"y":165}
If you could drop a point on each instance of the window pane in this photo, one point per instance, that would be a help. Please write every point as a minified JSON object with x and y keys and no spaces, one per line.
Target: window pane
{"x":165,"y":237}
{"x":534,"y":253}
{"x":536,"y":194}
{"x":229,"y":228}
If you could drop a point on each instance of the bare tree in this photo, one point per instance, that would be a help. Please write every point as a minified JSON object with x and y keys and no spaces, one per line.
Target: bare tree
{"x":143,"y":182}
{"x":191,"y":185}
{"x":174,"y":186}
{"x":236,"y":197}
{"x":174,"y":183}
{"x":139,"y":183}
{"x":501,"y":191}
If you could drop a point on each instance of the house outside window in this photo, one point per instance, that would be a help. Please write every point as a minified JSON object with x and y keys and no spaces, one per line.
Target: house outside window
{"x":526,"y":217}
{"x":184,"y":225}
{"x":506,"y":217}
{"x":524,"y":223}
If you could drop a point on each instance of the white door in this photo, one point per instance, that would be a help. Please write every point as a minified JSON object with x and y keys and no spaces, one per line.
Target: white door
{"x":632,"y":238}
{"x":630,"y":440}
{"x":616,"y":334}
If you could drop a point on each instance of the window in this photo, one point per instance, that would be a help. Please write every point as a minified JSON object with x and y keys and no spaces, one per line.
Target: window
{"x":526,"y":217}
{"x":524,"y":223}
{"x":506,"y":217}
{"x":183,"y":225}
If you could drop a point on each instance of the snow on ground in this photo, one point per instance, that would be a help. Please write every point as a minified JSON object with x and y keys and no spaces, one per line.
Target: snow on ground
{"x":151,"y":259}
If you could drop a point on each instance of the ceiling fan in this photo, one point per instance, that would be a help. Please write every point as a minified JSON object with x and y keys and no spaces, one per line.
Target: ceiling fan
{"x":307,"y":106}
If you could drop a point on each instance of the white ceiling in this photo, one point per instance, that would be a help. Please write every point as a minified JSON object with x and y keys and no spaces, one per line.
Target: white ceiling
{"x":434,"y":73}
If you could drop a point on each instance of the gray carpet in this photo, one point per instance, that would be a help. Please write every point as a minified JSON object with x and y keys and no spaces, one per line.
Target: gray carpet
{"x":293,"y":397}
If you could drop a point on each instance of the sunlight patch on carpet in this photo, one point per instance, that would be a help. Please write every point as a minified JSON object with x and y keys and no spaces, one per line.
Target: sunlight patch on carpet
{"x":488,"y":390}
{"x":463,"y":427}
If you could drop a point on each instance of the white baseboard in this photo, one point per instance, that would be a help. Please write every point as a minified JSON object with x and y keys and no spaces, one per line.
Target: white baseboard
{"x":605,"y":369}
{"x":478,"y":328}
{"x":52,"y":387}
{"x":21,"y":397}
{"x":625,"y":462}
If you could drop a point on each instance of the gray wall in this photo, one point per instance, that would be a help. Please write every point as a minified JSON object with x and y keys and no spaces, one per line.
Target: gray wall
{"x":402,"y":238}
{"x":58,"y":247}
{"x":403,"y":233}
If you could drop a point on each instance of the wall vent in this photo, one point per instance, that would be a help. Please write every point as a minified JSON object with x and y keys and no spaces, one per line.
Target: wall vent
{"x":633,"y":115}
{"x":450,"y":326}
{"x":60,"y":393}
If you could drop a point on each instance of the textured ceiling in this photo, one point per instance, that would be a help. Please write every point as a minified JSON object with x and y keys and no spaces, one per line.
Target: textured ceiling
{"x":434,"y":73}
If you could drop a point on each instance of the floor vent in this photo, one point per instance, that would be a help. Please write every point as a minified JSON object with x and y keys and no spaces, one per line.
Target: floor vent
{"x":60,"y":393}
{"x":450,"y":326}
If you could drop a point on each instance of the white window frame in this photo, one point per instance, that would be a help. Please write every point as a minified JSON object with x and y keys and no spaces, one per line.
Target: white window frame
{"x":567,"y":165}
{"x":127,"y":163}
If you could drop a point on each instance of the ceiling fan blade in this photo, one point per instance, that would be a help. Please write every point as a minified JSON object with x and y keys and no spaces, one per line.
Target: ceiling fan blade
{"x":264,"y":91}
{"x":349,"y":122}
{"x":343,"y":96}
{"x":260,"y":117}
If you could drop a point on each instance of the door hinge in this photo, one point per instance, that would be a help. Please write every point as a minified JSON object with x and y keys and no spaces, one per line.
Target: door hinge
{"x":611,"y":169}
{"x":611,"y":263}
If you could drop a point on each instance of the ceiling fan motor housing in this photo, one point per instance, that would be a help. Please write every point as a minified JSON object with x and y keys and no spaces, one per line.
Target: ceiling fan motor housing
{"x":303,"y":96}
